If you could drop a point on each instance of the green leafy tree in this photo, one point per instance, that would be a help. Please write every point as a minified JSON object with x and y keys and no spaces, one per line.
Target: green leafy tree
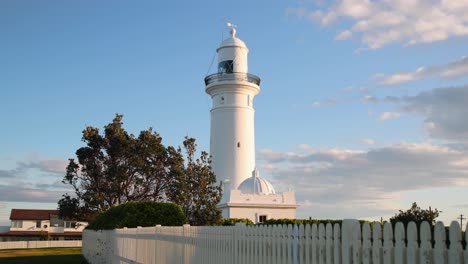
{"x":193,"y":185}
{"x":118,"y":167}
{"x":114,"y":168}
{"x":415,"y":214}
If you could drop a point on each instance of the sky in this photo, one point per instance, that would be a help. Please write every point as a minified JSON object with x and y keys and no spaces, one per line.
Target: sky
{"x":363,"y":107}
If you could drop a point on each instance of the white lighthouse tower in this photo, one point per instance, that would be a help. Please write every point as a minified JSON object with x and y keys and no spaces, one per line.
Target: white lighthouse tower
{"x":232,"y":143}
{"x":232,"y":89}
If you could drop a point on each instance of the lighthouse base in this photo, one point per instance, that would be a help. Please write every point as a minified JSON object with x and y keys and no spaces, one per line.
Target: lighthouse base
{"x":258,"y":207}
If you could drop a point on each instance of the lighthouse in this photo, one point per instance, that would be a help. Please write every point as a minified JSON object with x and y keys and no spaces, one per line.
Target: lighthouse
{"x":232,"y":140}
{"x":232,"y":90}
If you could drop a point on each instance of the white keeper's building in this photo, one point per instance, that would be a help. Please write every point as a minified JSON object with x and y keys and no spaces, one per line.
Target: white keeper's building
{"x":232,"y":142}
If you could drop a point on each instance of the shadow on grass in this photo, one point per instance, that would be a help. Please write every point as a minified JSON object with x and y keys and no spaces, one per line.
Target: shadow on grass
{"x":61,"y":259}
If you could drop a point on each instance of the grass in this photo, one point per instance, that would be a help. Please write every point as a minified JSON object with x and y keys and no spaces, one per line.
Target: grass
{"x":42,"y":255}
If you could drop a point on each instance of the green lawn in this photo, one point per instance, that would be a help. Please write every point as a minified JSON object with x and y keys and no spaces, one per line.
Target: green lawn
{"x":42,"y":255}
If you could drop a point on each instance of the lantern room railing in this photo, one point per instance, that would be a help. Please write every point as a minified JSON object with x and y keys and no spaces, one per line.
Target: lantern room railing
{"x":235,"y":76}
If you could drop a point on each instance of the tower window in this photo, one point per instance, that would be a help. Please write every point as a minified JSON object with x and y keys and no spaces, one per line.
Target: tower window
{"x":226,"y":66}
{"x":238,"y":144}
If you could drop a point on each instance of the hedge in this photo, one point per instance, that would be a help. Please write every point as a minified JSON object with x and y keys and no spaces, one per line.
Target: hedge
{"x":133,"y":214}
{"x":233,"y":221}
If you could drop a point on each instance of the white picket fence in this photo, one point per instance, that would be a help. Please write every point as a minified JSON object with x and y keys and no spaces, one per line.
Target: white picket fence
{"x":282,"y":244}
{"x":39,"y":244}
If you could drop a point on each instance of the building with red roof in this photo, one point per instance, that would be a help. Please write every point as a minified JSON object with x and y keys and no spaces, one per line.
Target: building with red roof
{"x":38,"y":224}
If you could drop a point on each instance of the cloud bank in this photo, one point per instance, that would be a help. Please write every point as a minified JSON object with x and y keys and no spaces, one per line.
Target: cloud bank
{"x":383,"y":22}
{"x":445,"y":111}
{"x":356,"y":183}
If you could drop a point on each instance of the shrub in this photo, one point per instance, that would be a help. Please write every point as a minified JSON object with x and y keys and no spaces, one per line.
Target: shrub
{"x":233,"y":221}
{"x":133,"y":214}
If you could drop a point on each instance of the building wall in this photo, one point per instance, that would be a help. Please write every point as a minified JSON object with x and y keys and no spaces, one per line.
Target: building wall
{"x":236,"y":204}
{"x":30,"y":225}
{"x":232,"y":136}
{"x":253,"y":213}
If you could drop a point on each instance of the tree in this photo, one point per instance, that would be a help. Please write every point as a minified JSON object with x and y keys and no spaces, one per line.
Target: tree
{"x":114,"y":168}
{"x":117,"y":167}
{"x":193,"y":185}
{"x":415,"y":214}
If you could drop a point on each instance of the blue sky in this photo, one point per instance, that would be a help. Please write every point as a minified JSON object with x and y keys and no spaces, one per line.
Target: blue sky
{"x":363,"y":107}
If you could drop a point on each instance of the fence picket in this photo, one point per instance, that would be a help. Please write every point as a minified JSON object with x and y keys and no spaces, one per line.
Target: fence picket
{"x":388,"y":244}
{"x":289,"y":235}
{"x":356,"y":243}
{"x":301,"y":244}
{"x":377,"y":254}
{"x":337,"y":244}
{"x":366,"y":244}
{"x":321,"y":239}
{"x":279,"y":244}
{"x":314,"y":244}
{"x":456,"y":250}
{"x":400,"y":253}
{"x":329,"y":243}
{"x":426,"y":243}
{"x":307,"y":244}
{"x":412,"y":252}
{"x":440,"y":256}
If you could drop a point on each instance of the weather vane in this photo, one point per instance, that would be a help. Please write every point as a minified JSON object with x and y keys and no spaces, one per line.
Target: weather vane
{"x":233,"y":28}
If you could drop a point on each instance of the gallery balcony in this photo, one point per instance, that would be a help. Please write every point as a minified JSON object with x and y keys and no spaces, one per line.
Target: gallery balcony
{"x":235,"y":76}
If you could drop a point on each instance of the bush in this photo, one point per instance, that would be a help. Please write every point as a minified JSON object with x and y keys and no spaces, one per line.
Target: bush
{"x":133,"y":214}
{"x":233,"y":221}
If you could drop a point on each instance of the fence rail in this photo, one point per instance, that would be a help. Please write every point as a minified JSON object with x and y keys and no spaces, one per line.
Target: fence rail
{"x":279,"y":244}
{"x":39,"y":244}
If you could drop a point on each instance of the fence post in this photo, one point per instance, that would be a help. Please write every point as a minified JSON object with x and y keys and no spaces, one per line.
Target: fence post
{"x":347,"y":227}
{"x":356,"y":244}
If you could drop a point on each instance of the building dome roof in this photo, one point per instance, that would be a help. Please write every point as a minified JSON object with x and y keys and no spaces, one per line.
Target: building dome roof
{"x":256,"y":185}
{"x":232,"y":41}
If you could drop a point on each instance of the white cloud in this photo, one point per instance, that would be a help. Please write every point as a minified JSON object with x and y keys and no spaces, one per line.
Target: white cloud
{"x":388,"y":115}
{"x":453,"y":69}
{"x":316,"y":104}
{"x":355,"y":183}
{"x":382,"y":22}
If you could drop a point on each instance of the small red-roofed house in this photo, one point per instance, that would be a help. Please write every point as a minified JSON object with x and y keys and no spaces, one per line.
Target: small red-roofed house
{"x":38,"y":224}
